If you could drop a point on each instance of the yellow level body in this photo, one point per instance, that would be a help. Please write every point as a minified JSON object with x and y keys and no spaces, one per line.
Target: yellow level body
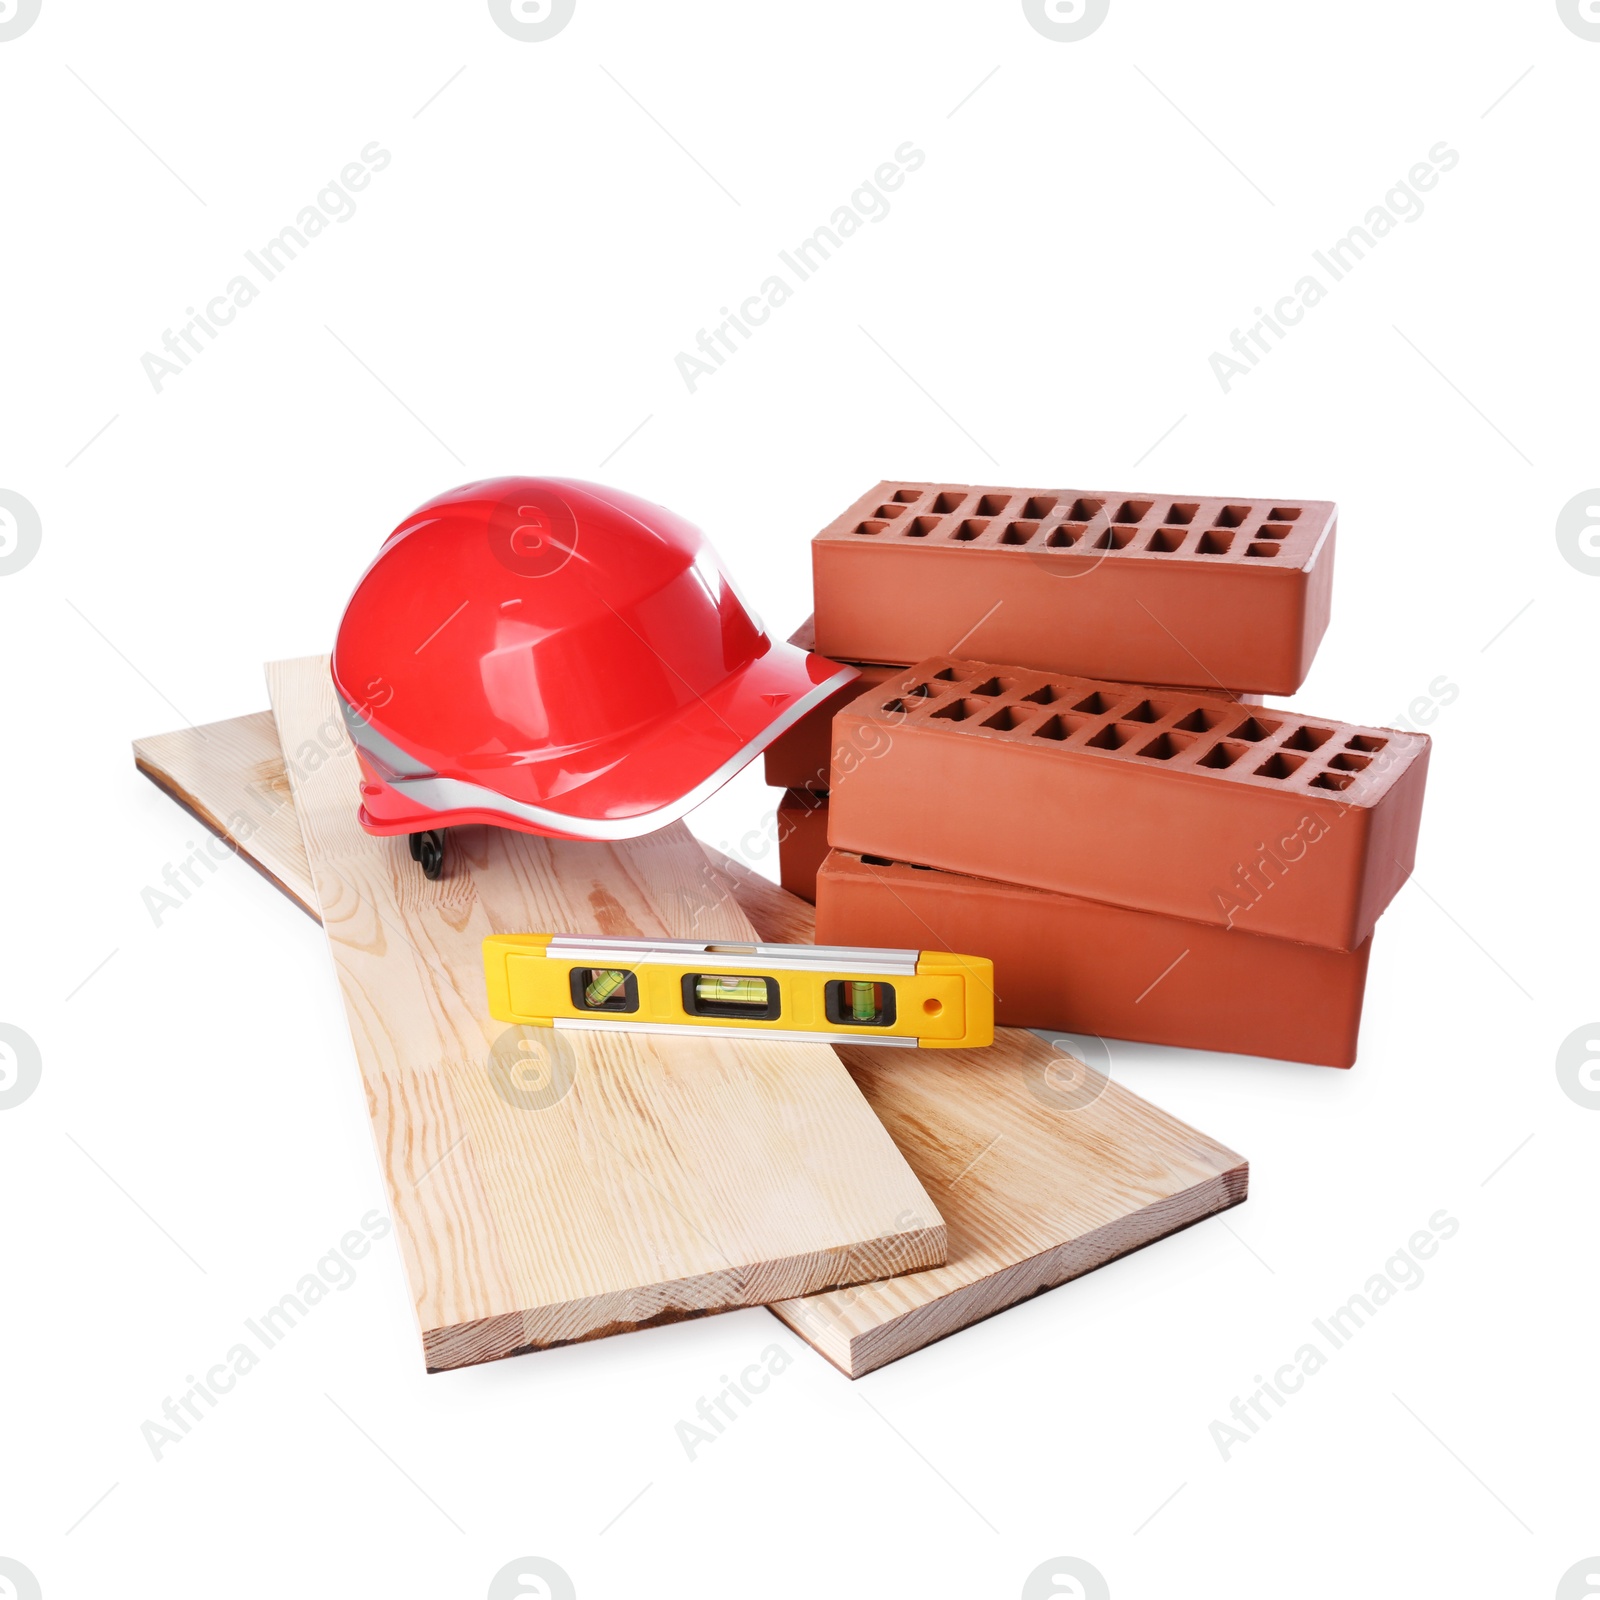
{"x":926,"y":998}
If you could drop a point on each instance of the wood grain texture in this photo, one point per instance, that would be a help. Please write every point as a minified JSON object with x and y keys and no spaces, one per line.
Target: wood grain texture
{"x":550,"y":1187}
{"x":1042,"y":1168}
{"x":231,"y":776}
{"x":1052,"y":1192}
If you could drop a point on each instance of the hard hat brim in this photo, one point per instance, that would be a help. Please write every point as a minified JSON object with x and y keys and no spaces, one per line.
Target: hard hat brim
{"x":663,"y":777}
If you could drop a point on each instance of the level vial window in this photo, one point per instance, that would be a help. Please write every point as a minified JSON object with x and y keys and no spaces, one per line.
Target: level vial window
{"x":713,"y":994}
{"x":604,"y":989}
{"x":860,"y":1003}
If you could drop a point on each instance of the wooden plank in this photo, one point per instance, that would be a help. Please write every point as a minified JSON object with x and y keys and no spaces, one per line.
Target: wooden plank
{"x":575,"y":1185}
{"x":1055,"y":1194}
{"x":1042,"y":1168}
{"x":230,"y":775}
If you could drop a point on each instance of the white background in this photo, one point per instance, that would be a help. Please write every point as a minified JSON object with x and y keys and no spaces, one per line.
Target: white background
{"x":1039,"y":307}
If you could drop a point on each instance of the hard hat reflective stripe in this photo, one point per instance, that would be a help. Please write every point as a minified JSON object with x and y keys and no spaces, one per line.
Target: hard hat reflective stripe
{"x":387,"y":754}
{"x":434,"y":793}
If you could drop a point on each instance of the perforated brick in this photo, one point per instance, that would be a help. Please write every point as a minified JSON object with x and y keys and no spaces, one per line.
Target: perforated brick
{"x":1265,"y":820}
{"x":1139,"y":588}
{"x":802,"y":819}
{"x":1083,"y":966}
{"x":800,"y":757}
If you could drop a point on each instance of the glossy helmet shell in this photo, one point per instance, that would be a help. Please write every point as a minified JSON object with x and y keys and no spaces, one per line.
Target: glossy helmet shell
{"x":558,"y":657}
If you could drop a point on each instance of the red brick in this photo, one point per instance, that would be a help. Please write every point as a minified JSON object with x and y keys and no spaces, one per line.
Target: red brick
{"x":1270,"y":821}
{"x":1082,"y":966}
{"x":1137,"y":588}
{"x":802,"y":841}
{"x":800,"y":757}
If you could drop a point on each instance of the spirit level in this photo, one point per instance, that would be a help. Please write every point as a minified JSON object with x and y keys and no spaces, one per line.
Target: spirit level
{"x":785,"y":991}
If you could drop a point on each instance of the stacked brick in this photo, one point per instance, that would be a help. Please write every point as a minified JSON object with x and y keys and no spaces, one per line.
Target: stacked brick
{"x":1026,"y":771}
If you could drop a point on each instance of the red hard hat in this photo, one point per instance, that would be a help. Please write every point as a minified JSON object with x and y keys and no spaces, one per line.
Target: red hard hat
{"x":558,"y":657}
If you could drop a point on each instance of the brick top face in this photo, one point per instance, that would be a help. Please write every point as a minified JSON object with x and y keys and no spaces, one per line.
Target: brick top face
{"x":1175,"y":730}
{"x":1071,"y":524}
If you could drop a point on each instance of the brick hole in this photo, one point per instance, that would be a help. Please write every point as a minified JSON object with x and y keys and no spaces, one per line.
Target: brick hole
{"x":1255,"y":729}
{"x":958,"y":710}
{"x":1165,"y":746}
{"x":1213,"y":543}
{"x":871,"y":527}
{"x":891,"y":511}
{"x":1112,"y":737}
{"x":1115,"y":538}
{"x":1085,"y":510}
{"x":1134,"y":510}
{"x":1222,"y":755}
{"x":1064,"y":537}
{"x":1199,"y":721}
{"x":945,"y":675}
{"x":1263,"y":550}
{"x":908,"y":497}
{"x":991,"y":505}
{"x":1019,"y":532}
{"x":947,"y":502}
{"x":1232,"y":517}
{"x":1333,"y":780}
{"x":1057,"y":728}
{"x":1279,"y":765}
{"x":1145,"y":711}
{"x":1347,"y":763}
{"x":1283,"y":514}
{"x":1003,"y":720}
{"x":1041,"y":505}
{"x":898,"y":708}
{"x":970,"y":530}
{"x":1308,"y":738}
{"x":921,"y":690}
{"x":1044,"y":695}
{"x":1095,"y":704}
{"x":990,"y":686}
{"x":1167,"y":539}
{"x":1365,"y":741}
{"x":1182,"y":513}
{"x":921,"y":527}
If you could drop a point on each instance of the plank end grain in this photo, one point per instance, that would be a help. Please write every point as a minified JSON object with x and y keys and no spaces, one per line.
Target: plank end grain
{"x":230,"y":777}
